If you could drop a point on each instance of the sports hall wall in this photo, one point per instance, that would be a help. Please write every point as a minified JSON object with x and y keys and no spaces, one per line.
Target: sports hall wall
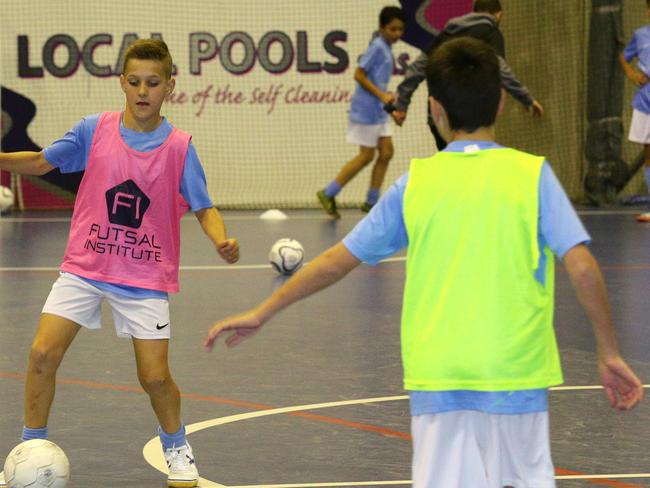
{"x":264,"y":85}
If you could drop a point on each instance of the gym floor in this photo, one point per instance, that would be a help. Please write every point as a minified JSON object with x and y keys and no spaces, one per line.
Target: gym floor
{"x":315,"y":399}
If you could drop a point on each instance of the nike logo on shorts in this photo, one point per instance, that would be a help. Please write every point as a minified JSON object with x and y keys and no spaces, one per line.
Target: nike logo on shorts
{"x":160,"y":327}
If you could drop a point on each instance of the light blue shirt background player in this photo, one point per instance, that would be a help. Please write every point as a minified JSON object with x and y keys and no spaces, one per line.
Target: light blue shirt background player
{"x":70,"y":154}
{"x":377,"y":62}
{"x":383,"y":233}
{"x":639,"y":48}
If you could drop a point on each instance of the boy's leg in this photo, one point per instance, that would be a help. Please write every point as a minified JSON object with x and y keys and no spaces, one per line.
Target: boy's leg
{"x":523,"y":452}
{"x":356,"y":164}
{"x":386,"y":151}
{"x":53,"y":337}
{"x":153,"y":373}
{"x":155,"y":377}
{"x":645,"y":217}
{"x":447,"y":452}
{"x":349,"y":171}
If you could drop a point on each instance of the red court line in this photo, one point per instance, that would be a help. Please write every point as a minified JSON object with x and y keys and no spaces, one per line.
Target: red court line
{"x":318,"y":418}
{"x":596,"y":481}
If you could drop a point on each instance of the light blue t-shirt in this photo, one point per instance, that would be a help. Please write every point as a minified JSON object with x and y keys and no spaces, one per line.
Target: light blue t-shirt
{"x":70,"y":154}
{"x":377,"y":63}
{"x":383,"y":233}
{"x":639,"y":48}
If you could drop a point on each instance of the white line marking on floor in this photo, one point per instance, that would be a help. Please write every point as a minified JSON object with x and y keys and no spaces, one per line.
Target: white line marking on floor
{"x":216,"y":267}
{"x":153,"y":455}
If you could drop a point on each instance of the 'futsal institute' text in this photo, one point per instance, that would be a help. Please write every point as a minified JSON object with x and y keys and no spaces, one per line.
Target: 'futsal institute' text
{"x":125,"y":243}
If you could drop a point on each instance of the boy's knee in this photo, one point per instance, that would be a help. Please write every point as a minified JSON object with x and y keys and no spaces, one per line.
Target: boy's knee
{"x":44,"y":358}
{"x":367,"y":155}
{"x":154,"y":381}
{"x":385,"y":156}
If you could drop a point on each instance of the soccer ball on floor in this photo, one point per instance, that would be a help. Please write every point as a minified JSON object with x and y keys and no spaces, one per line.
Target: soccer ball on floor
{"x":37,"y":463}
{"x":6,"y":198}
{"x":286,"y":256}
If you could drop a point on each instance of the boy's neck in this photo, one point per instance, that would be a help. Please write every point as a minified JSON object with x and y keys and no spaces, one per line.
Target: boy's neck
{"x":487,"y":134}
{"x":385,"y":39}
{"x":136,"y":125}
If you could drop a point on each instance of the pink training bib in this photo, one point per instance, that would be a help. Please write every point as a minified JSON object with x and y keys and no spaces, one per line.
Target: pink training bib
{"x":125,"y":226}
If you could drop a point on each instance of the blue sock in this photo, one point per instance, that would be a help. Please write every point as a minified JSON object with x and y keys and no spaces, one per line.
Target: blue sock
{"x":332,"y":189}
{"x":29,"y":434}
{"x":647,"y":177}
{"x":169,"y":441}
{"x":373,"y":196}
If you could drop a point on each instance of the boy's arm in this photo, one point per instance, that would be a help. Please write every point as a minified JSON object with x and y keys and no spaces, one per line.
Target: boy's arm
{"x":25,"y":163}
{"x":637,"y":77}
{"x":415,"y":74}
{"x":361,"y":78}
{"x":328,"y":268}
{"x":213,"y":226}
{"x":622,"y":386}
{"x":517,"y":90}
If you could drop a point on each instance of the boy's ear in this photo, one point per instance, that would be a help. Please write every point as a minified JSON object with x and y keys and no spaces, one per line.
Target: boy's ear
{"x":502,"y":102}
{"x":440,"y":118}
{"x":171,"y":84}
{"x":122,"y":82}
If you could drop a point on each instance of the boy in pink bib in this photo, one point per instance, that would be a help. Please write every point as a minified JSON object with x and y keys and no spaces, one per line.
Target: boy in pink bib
{"x":141,"y":175}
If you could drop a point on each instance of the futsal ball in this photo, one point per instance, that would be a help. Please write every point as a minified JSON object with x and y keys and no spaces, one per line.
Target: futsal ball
{"x":37,"y":463}
{"x":286,"y":256}
{"x":6,"y":198}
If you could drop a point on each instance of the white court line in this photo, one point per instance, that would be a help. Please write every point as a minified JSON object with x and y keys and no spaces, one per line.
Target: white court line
{"x":217,"y":267}
{"x":315,"y":216}
{"x":154,"y":456}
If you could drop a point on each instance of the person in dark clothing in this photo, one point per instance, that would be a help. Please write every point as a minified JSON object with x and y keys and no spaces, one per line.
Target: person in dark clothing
{"x":482,"y":24}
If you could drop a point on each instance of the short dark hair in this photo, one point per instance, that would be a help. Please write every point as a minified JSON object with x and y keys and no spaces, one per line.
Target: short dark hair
{"x":463,"y":75}
{"x":387,"y":14}
{"x":154,"y":49}
{"x":488,"y":6}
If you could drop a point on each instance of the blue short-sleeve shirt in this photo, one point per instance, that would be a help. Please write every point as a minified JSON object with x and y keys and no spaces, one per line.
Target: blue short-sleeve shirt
{"x":377,"y":63}
{"x":70,"y":153}
{"x":383,"y":233}
{"x":639,"y":48}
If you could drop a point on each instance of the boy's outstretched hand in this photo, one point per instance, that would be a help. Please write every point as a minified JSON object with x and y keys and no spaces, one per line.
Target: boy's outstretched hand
{"x":242,"y":326}
{"x":229,"y":250}
{"x":622,"y":387}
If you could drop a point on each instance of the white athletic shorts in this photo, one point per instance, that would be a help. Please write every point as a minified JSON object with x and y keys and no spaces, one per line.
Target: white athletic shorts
{"x":464,"y":448}
{"x":367,"y":135}
{"x":640,"y":127}
{"x":75,"y":299}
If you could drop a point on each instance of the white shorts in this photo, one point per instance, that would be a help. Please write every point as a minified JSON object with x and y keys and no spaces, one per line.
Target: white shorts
{"x":75,"y":299}
{"x":465,"y":448}
{"x":367,"y":135}
{"x":640,"y":127}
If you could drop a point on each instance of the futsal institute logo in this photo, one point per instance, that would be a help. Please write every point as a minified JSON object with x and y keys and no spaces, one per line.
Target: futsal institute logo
{"x":126,"y":205}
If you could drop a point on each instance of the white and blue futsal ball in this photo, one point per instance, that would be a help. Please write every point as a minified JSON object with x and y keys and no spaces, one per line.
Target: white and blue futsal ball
{"x":286,"y":256}
{"x":6,"y":198}
{"x":37,"y":463}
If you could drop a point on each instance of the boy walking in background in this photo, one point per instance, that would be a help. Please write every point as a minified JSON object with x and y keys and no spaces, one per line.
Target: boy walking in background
{"x":369,"y":127}
{"x":639,"y":48}
{"x":483,"y":24}
{"x":124,"y":246}
{"x":481,"y":222}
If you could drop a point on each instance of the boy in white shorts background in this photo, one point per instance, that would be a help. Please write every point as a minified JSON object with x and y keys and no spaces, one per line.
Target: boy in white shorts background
{"x":369,"y":126}
{"x":141,"y":175}
{"x":639,"y":48}
{"x":482,"y":224}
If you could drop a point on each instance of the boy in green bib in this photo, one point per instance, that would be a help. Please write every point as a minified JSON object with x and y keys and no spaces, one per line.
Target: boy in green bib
{"x":482,"y":224}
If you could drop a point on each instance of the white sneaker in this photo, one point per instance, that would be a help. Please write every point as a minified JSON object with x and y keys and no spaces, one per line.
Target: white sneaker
{"x":3,"y":483}
{"x":182,"y":469}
